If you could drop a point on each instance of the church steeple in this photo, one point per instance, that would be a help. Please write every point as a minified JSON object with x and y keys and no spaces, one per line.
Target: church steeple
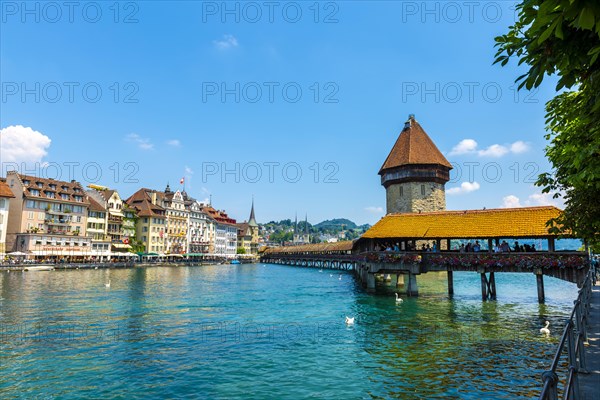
{"x":252,"y":219}
{"x":296,"y":224}
{"x":306,"y":224}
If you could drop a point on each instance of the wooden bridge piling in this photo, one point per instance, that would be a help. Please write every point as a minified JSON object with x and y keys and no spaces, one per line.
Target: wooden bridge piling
{"x":370,"y":282}
{"x":413,"y":288}
{"x":539,"y":277}
{"x":401,"y":268}
{"x":488,"y":286}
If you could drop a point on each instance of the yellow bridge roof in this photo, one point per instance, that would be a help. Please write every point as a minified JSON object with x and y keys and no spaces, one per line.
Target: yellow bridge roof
{"x":468,"y":224}
{"x":313,"y":248}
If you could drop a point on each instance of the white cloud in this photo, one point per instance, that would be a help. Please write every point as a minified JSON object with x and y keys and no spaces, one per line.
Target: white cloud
{"x":465,"y":187}
{"x":174,"y":143}
{"x":535,"y":199}
{"x":188,"y":172}
{"x":510,"y":201}
{"x":544,"y":199}
{"x":21,"y":144}
{"x":519,"y":147}
{"x":495,"y":150}
{"x":374,"y":210}
{"x":470,"y":146}
{"x":142,"y":143}
{"x":205,"y":192}
{"x":227,"y":42}
{"x":465,"y":146}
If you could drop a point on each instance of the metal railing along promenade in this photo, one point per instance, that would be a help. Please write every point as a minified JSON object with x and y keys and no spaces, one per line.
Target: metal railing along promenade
{"x":573,"y":338}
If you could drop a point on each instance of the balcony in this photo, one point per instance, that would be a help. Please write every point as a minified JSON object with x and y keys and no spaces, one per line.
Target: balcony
{"x":57,"y":232}
{"x":56,"y":212}
{"x":57,"y":221}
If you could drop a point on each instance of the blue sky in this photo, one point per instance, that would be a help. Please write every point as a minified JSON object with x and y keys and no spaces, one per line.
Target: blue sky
{"x":294,"y":103}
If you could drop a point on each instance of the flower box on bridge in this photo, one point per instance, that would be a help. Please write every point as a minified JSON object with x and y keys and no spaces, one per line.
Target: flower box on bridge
{"x":406,"y":231}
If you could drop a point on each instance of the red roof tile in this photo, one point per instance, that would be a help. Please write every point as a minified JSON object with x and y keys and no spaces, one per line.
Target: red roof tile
{"x":49,"y":187}
{"x":5,"y":190}
{"x":142,"y":203}
{"x":94,"y":205}
{"x":414,"y":146}
{"x":219,"y":216}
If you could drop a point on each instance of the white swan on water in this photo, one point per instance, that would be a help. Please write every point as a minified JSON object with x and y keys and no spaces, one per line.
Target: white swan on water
{"x":107,"y":284}
{"x":545,"y":329}
{"x":398,"y":299}
{"x":349,"y":321}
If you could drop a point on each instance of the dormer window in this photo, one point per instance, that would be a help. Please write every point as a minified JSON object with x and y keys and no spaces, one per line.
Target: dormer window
{"x":34,"y":192}
{"x":50,"y":195}
{"x":52,"y":186}
{"x":76,"y":190}
{"x":65,"y":188}
{"x":26,"y":182}
{"x":39,"y":184}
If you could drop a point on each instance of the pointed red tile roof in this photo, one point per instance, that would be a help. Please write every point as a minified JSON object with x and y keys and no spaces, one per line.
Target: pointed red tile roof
{"x":141,"y":202}
{"x":107,"y":194}
{"x":95,"y":205}
{"x":5,"y":190}
{"x":414,"y":146}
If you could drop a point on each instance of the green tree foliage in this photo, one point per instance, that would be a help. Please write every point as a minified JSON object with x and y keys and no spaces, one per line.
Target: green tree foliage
{"x":562,"y":37}
{"x":281,"y":236}
{"x":136,"y":245}
{"x":335,"y":224}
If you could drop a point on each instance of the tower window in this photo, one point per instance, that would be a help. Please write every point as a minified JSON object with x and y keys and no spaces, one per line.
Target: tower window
{"x":422,"y":190}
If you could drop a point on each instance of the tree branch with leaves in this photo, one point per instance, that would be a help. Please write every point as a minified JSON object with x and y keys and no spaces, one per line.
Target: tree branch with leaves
{"x":562,"y":37}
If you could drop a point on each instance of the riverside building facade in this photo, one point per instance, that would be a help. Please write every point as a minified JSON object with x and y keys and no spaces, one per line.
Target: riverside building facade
{"x":47,"y":218}
{"x":5,"y":196}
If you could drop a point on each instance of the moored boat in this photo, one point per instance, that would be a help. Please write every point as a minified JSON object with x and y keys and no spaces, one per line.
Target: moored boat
{"x":39,"y":268}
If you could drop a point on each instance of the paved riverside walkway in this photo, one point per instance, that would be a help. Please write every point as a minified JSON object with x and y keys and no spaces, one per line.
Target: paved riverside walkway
{"x":589,"y":384}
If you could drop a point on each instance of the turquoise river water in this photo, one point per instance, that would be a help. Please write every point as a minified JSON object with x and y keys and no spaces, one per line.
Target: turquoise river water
{"x":270,"y":332}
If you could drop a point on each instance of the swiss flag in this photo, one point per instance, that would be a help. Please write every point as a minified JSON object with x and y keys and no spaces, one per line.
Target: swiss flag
{"x":181,"y":181}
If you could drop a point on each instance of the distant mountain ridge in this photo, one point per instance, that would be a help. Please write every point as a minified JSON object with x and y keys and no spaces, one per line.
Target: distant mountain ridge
{"x":336,"y":223}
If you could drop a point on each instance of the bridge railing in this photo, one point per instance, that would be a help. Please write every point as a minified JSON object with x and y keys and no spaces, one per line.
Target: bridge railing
{"x":569,"y":260}
{"x":316,"y":256}
{"x":573,"y":337}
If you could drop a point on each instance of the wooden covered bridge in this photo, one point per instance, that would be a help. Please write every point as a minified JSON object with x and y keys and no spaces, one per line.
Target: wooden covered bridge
{"x":406,"y":245}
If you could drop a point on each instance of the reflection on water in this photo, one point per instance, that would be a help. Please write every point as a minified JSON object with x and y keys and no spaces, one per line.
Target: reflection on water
{"x":267,"y":331}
